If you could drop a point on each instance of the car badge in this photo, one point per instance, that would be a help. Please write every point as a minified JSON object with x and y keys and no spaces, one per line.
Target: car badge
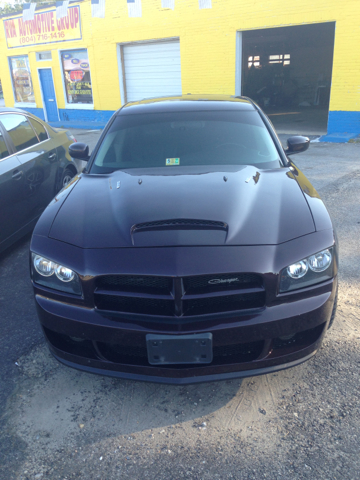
{"x":219,"y":280}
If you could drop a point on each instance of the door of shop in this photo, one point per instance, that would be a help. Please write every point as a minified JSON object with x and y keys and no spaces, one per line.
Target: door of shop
{"x":48,"y":92}
{"x":288,"y":71}
{"x":151,"y":69}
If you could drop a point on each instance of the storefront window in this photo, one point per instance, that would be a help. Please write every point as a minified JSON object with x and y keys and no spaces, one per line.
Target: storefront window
{"x":76,"y":71}
{"x":21,"y":78}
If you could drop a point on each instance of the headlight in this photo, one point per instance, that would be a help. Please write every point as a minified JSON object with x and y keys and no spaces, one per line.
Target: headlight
{"x":52,"y":275}
{"x":298,"y":270}
{"x":64,"y":274}
{"x":309,"y":271}
{"x":320,"y":261}
{"x":43,"y":266}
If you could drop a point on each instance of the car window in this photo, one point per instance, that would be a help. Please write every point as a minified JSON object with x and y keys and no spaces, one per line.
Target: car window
{"x":185,"y":139}
{"x":39,"y":129}
{"x":20,"y":130}
{"x":3,"y":148}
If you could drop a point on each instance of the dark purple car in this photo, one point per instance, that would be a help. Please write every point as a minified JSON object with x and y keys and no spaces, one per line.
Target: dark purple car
{"x":190,"y":249}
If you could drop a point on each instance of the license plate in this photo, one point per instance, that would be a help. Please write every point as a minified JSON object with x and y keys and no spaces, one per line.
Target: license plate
{"x":179,"y":349}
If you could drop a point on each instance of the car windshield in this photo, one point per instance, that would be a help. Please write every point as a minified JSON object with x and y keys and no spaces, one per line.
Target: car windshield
{"x":183,"y":139}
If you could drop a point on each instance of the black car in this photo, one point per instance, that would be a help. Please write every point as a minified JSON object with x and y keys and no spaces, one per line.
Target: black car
{"x":34,"y":166}
{"x":191,"y":248}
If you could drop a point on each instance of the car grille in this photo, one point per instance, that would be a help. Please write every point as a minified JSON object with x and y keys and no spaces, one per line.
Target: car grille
{"x":201,"y":306}
{"x":135,"y":283}
{"x":179,"y":297}
{"x":146,"y":306}
{"x":222,"y":354}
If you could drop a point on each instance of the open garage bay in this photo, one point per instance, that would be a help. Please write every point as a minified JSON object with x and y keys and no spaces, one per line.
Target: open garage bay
{"x":287,"y":71}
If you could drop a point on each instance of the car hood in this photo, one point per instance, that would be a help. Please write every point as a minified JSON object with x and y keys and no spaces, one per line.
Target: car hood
{"x":237,"y":206}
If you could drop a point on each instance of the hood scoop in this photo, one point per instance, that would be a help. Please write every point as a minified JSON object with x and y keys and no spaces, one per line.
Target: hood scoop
{"x":179,"y":224}
{"x":196,"y":232}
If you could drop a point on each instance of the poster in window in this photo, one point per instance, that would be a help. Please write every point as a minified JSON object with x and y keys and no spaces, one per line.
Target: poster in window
{"x":21,"y":78}
{"x":76,"y":70}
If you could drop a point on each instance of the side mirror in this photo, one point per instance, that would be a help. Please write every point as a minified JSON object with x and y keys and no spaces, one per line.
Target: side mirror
{"x":297,"y":144}
{"x":80,"y":151}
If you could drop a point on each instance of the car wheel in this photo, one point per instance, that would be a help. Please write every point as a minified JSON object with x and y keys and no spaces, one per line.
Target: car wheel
{"x":333,"y":313}
{"x":66,"y":178}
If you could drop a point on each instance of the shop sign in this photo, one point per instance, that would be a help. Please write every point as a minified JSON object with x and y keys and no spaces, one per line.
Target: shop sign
{"x":45,"y":28}
{"x":81,"y":89}
{"x":77,"y":79}
{"x":21,"y":78}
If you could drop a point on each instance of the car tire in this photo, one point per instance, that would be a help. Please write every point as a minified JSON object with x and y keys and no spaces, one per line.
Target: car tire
{"x":66,"y":177}
{"x":333,"y":313}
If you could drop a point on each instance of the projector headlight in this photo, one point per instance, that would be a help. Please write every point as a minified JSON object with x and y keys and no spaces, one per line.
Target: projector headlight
{"x":298,"y":270}
{"x":43,"y":266}
{"x":52,"y":275}
{"x":309,"y":271}
{"x":320,"y":261}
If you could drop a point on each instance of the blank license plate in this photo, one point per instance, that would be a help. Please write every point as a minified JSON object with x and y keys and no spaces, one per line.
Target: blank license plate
{"x":179,"y":349}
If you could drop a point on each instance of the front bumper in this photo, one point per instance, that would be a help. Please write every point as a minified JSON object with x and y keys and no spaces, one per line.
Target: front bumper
{"x":286,"y":331}
{"x":245,"y":344}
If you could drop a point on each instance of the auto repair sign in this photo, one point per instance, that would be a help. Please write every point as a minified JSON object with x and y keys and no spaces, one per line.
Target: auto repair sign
{"x":45,"y":28}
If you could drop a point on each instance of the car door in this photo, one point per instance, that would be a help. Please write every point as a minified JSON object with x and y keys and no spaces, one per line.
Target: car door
{"x":38,"y":157}
{"x":11,"y":187}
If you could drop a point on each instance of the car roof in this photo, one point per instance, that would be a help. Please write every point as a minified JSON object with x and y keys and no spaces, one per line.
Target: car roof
{"x":25,"y":112}
{"x":11,"y":109}
{"x":188,"y":103}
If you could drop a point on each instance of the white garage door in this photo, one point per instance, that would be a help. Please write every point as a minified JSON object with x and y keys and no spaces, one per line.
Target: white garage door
{"x":152,"y":70}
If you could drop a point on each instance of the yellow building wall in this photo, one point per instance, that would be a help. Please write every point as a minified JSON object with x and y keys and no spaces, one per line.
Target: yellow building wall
{"x":207,"y":44}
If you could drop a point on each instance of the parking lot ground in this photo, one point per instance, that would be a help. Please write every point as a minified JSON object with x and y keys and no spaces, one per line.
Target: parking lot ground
{"x":90,"y":137}
{"x":301,"y":423}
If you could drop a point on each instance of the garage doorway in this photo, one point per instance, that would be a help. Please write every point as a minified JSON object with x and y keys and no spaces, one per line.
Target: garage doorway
{"x":287,"y":71}
{"x":149,"y":69}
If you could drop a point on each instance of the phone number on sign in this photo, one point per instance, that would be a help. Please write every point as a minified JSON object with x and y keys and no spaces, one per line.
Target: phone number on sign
{"x":39,"y":38}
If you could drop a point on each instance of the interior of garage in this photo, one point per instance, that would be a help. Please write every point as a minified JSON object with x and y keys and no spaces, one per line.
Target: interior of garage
{"x":287,"y":71}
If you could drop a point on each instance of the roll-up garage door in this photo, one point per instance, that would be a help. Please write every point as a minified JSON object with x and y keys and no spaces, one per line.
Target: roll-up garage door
{"x":152,"y":70}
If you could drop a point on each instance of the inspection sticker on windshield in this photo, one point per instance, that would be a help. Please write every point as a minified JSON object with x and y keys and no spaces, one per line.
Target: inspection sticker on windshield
{"x":172,"y":161}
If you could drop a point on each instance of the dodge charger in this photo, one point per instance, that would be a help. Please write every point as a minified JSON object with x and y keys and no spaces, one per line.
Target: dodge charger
{"x":190,"y":249}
